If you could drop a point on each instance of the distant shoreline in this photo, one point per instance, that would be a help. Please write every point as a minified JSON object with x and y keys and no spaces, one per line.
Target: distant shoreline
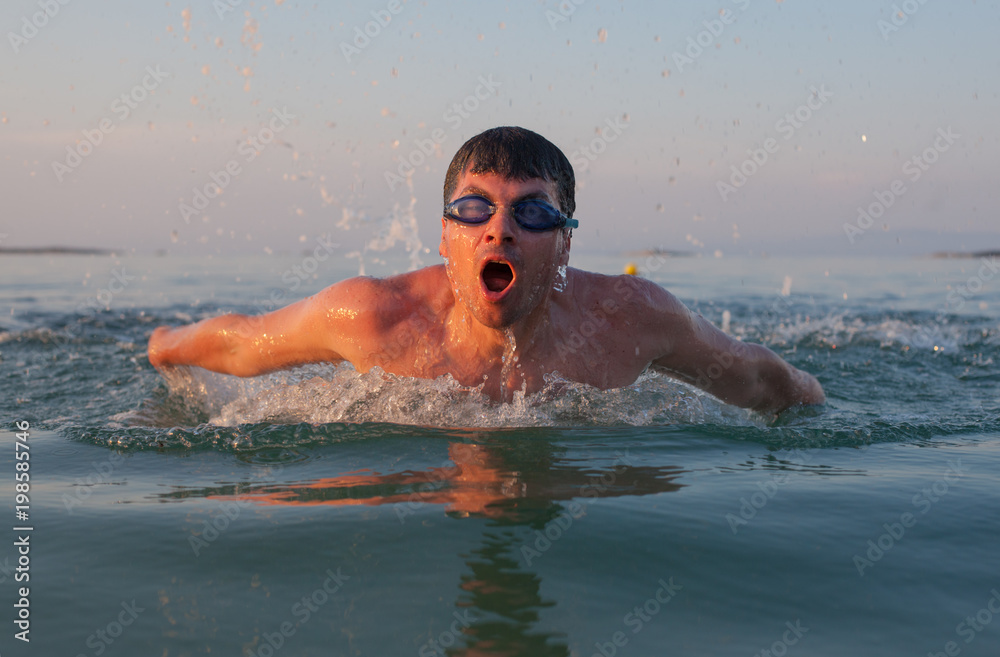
{"x":964,"y":254}
{"x":660,"y":252}
{"x":52,"y":250}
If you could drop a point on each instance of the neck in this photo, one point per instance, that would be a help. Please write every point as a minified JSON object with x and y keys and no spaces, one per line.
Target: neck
{"x":464,"y":328}
{"x":502,"y":354}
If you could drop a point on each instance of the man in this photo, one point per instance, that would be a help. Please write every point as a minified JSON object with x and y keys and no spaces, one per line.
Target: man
{"x":504,"y":310}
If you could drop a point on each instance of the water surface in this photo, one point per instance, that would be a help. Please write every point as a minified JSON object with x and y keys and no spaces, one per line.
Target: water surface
{"x":320,"y":511}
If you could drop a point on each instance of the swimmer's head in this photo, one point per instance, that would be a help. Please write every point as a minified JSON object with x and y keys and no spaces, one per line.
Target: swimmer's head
{"x":516,"y":154}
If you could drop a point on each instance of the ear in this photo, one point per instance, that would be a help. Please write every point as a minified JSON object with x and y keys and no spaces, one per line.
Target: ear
{"x":442,"y":247}
{"x":567,"y":236}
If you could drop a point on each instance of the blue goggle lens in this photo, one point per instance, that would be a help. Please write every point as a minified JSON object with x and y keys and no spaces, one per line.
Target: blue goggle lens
{"x":532,"y":214}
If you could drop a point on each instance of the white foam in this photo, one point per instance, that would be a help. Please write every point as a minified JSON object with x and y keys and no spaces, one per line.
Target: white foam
{"x":324,"y":394}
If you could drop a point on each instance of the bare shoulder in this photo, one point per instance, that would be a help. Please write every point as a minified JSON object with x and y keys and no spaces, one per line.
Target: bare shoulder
{"x":637,"y":298}
{"x":643,"y":316}
{"x":378,"y":303}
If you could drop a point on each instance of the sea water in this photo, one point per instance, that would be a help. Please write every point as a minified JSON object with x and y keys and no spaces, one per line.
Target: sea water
{"x":325,"y":512}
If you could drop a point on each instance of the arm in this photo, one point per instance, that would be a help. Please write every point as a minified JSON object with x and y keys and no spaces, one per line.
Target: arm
{"x":312,"y":330}
{"x":739,"y":373}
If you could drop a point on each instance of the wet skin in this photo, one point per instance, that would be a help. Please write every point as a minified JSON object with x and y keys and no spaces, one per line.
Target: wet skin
{"x":497,"y":314}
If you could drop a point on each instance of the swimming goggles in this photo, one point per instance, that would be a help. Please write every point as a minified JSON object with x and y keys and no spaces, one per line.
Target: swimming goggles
{"x":530,"y":214}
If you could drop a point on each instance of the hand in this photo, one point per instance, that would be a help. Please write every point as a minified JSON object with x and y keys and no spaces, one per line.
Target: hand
{"x":157,"y":347}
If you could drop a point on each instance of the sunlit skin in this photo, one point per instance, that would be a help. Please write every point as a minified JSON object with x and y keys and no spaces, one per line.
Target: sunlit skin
{"x":445,"y":320}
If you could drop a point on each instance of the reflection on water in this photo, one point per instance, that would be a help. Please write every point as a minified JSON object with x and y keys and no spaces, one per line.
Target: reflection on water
{"x":504,"y":600}
{"x":513,"y":487}
{"x":482,"y":481}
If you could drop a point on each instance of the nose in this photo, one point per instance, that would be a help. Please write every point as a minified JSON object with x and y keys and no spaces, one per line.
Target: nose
{"x":502,"y":227}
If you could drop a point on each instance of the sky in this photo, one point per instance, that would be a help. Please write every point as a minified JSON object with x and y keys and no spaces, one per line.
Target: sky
{"x":725,"y":128}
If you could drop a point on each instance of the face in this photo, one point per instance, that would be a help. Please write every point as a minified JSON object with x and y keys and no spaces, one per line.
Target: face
{"x":498,"y":270}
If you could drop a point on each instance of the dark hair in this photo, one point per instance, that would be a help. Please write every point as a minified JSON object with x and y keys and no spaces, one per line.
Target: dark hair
{"x":517,"y":154}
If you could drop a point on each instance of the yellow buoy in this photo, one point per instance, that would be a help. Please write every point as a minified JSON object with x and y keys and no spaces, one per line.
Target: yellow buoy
{"x":631,"y":269}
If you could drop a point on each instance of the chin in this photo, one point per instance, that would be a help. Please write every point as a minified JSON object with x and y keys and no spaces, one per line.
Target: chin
{"x":496,"y":317}
{"x":495,"y":320}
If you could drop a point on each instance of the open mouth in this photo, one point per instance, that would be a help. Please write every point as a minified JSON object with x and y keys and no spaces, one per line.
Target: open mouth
{"x":497,"y":276}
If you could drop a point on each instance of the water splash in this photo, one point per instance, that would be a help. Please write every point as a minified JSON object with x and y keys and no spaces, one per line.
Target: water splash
{"x":561,"y":279}
{"x":889,"y":375}
{"x":321,"y":394}
{"x":398,"y":226}
{"x":509,"y":360}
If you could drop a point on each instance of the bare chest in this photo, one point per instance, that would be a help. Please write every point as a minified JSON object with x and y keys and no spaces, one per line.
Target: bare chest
{"x":590,"y":352}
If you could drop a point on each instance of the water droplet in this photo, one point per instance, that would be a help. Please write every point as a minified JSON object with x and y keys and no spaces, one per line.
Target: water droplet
{"x":561,"y":279}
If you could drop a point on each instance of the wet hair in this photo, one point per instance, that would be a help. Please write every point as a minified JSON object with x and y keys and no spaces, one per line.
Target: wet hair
{"x":517,"y":154}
